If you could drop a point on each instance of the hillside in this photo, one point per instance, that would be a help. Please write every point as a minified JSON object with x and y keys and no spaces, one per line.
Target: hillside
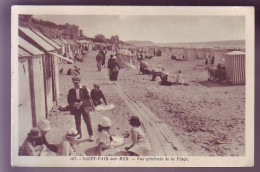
{"x":237,"y":44}
{"x":221,"y":44}
{"x":141,"y":43}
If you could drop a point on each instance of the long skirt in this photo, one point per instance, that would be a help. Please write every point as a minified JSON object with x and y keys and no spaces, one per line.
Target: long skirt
{"x":113,"y":75}
{"x":141,"y":148}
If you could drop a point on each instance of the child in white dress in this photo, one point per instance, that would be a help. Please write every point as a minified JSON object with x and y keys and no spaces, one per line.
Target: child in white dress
{"x":104,"y":139}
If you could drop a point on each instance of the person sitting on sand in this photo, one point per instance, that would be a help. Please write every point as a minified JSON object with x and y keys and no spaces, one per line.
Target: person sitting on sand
{"x":76,"y":70}
{"x":32,"y":145}
{"x":76,"y":57}
{"x":96,"y":94}
{"x":66,"y":147}
{"x":173,"y":57}
{"x":140,"y":144}
{"x":144,"y":67}
{"x":104,"y":139}
{"x":45,"y":127}
{"x":164,"y":79}
{"x":180,"y":79}
{"x":156,"y":72}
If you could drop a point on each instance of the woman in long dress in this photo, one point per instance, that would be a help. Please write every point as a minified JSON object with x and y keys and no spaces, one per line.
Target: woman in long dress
{"x":114,"y":68}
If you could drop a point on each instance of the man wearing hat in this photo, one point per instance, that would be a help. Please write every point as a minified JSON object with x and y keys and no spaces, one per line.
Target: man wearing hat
{"x":99,"y":59}
{"x":32,"y":145}
{"x":96,"y":95}
{"x":80,"y":103}
{"x":45,"y":126}
{"x":109,"y":63}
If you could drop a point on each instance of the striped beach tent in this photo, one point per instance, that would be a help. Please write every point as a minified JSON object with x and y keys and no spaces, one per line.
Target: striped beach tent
{"x":189,"y":54}
{"x":235,"y":67}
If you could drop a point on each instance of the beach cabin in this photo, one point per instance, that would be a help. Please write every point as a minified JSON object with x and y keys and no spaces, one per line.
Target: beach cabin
{"x":63,"y":46}
{"x":50,"y":65}
{"x":219,"y":56}
{"x":177,"y":53}
{"x":189,"y":54}
{"x":68,"y":48}
{"x":99,"y":46}
{"x":235,"y":67}
{"x":73,"y":47}
{"x":31,"y":94}
{"x":202,"y":53}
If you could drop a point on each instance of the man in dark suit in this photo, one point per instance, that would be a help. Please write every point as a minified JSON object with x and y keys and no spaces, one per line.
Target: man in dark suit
{"x":80,"y":104}
{"x":99,"y":59}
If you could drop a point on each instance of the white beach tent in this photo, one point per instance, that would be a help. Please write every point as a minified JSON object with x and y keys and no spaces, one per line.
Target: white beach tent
{"x":126,"y":59}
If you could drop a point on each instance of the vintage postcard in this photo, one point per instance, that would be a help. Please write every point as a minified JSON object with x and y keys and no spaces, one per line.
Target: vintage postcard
{"x":102,"y":86}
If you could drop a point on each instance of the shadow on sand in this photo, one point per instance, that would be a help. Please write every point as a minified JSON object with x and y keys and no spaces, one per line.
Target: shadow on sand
{"x":210,"y":84}
{"x":92,"y":151}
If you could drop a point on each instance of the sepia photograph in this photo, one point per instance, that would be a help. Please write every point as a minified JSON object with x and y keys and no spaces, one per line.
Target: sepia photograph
{"x":132,"y":86}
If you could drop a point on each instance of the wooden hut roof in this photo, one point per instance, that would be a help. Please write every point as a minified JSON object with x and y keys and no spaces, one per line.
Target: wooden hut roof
{"x":23,"y":53}
{"x":36,"y":38}
{"x":29,"y":48}
{"x":46,"y":39}
{"x":64,"y":41}
{"x":57,"y":41}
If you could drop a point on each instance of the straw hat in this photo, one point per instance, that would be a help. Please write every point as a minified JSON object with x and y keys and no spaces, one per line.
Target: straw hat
{"x":105,"y":122}
{"x":72,"y":133}
{"x":44,"y":125}
{"x":34,"y":132}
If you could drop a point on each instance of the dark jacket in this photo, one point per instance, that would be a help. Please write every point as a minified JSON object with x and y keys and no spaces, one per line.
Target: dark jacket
{"x":96,"y":95}
{"x":104,"y":57}
{"x":84,"y":98}
{"x":99,"y":57}
{"x":51,"y":147}
{"x":109,"y":62}
{"x":113,"y":63}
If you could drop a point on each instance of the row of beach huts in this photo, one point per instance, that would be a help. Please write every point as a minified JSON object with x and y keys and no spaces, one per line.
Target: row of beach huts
{"x":38,"y":74}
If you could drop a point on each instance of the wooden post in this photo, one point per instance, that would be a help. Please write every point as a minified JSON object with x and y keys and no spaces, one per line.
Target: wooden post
{"x":44,"y":80}
{"x":32,"y":91}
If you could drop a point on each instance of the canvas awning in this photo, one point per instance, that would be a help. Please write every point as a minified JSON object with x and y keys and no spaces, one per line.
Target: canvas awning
{"x":84,"y":42}
{"x":236,"y":53}
{"x":62,"y":57}
{"x":101,"y":44}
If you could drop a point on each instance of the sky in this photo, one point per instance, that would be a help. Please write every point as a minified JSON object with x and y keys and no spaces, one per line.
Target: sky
{"x":159,"y":29}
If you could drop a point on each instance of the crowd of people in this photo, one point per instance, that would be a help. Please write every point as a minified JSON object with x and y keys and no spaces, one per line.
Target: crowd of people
{"x":145,"y":69}
{"x":81,"y":103}
{"x":112,"y":64}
